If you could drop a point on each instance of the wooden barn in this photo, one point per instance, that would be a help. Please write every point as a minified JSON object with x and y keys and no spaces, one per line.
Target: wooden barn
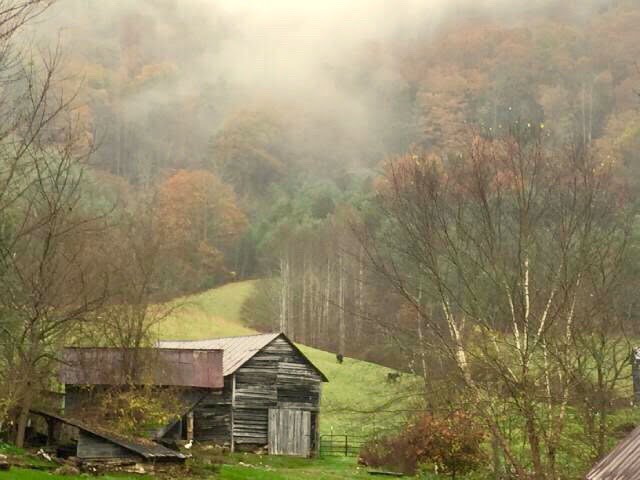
{"x":270,"y":400}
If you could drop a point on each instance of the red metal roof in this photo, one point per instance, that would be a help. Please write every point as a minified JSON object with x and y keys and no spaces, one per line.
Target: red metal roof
{"x":150,"y":366}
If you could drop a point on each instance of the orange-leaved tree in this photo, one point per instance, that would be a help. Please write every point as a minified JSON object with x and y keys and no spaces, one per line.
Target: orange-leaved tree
{"x":200,"y":222}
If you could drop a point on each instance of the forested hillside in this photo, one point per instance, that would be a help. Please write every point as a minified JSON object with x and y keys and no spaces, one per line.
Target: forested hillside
{"x":445,"y":188}
{"x":241,"y":159}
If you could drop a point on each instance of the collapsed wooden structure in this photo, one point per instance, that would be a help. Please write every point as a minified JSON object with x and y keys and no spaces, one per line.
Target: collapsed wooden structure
{"x":94,"y":444}
{"x":270,"y":399}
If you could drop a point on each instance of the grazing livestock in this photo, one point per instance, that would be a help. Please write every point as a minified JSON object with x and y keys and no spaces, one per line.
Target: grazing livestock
{"x":393,"y":377}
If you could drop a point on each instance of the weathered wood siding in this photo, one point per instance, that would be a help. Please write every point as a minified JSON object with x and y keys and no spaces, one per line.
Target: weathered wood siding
{"x":73,"y":398}
{"x":289,"y":432}
{"x":92,"y":447}
{"x":212,"y":416}
{"x":276,"y":377}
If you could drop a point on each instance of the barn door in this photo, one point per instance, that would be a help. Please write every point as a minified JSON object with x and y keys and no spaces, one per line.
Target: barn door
{"x":289,"y":432}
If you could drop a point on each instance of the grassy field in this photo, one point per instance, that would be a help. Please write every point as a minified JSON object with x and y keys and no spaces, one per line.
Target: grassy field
{"x":17,"y":456}
{"x":356,"y":393}
{"x":246,"y":467}
{"x":255,"y":467}
{"x":358,"y":400}
{"x":214,"y":313}
{"x":23,"y":474}
{"x":238,"y":466}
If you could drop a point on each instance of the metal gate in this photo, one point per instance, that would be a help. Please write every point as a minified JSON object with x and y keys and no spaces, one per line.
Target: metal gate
{"x":341,"y":445}
{"x":289,"y":432}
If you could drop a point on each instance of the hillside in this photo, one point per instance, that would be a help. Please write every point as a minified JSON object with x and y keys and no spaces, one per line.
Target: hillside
{"x":356,"y":389}
{"x":214,"y":313}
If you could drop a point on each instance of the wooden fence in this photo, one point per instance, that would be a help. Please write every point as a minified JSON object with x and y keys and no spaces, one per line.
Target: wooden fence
{"x":340,"y":445}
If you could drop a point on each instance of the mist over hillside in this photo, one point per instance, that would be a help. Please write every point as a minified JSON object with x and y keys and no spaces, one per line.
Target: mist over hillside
{"x":334,"y":76}
{"x":448,"y":189}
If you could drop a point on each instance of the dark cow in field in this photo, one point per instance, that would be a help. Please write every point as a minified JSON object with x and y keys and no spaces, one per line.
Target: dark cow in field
{"x":393,"y":377}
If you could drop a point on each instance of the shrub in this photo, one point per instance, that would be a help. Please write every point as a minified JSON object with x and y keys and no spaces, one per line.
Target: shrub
{"x":450,"y":444}
{"x":129,"y":410}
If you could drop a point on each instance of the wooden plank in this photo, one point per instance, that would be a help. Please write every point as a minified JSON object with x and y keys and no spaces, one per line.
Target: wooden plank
{"x":189,"y":426}
{"x":233,"y":407}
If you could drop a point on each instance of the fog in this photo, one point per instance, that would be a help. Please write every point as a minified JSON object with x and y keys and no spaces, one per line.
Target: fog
{"x":327,"y":68}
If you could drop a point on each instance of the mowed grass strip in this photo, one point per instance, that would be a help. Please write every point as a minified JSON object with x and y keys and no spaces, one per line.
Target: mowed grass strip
{"x":263,"y":467}
{"x":210,"y":314}
{"x":24,"y":474}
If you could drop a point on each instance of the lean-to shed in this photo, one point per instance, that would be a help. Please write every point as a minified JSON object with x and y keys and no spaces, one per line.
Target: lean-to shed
{"x":271,"y":396}
{"x":622,"y":463}
{"x":95,"y":444}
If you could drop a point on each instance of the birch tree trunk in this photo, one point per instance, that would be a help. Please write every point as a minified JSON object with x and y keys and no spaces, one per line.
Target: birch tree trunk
{"x":327,"y":300}
{"x":341,"y":306}
{"x":361,"y":313}
{"x":283,"y":293}
{"x":302,"y":336}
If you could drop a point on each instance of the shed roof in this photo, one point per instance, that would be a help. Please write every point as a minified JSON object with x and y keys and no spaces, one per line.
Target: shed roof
{"x":622,"y":463}
{"x":237,"y":350}
{"x":168,"y":367}
{"x":145,"y":448}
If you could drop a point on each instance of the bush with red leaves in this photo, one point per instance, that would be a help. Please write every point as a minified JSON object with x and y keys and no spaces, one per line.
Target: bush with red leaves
{"x":450,"y":444}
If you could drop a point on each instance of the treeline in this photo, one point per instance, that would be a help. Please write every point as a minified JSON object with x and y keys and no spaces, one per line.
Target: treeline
{"x":320,"y":288}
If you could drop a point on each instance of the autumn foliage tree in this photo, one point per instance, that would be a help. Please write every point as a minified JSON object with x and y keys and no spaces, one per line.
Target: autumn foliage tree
{"x":249,"y":152}
{"x":199,"y":221}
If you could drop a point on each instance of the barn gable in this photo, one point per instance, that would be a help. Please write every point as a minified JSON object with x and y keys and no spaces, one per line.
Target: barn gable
{"x":238,"y":350}
{"x":276,"y":377}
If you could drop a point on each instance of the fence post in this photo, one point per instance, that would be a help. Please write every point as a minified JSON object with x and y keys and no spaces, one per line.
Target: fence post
{"x":346,"y":446}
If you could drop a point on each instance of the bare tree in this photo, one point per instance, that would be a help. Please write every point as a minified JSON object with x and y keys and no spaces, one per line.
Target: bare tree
{"x":130,"y":258}
{"x":505,"y":254}
{"x":48,"y":281}
{"x":45,"y":232}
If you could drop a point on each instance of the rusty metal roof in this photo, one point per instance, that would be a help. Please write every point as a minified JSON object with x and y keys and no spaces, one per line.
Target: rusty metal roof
{"x":156,"y":366}
{"x":143,"y":447}
{"x":622,"y":463}
{"x":237,"y":350}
